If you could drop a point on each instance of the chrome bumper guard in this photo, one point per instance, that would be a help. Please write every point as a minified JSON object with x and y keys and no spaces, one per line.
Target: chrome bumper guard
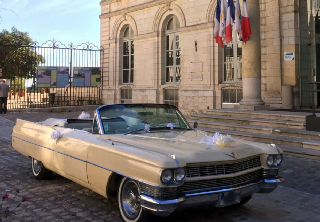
{"x":213,"y":198}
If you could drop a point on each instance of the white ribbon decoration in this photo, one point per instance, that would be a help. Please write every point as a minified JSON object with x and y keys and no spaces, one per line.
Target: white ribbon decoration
{"x":147,"y":128}
{"x":84,"y":115}
{"x":55,"y":135}
{"x":171,"y":125}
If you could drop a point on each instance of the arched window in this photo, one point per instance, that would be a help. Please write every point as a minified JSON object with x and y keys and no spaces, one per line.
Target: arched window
{"x":173,"y":51}
{"x":127,"y":56}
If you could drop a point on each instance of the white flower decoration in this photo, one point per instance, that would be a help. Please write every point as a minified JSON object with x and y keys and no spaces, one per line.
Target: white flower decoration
{"x":218,"y":139}
{"x":55,"y":135}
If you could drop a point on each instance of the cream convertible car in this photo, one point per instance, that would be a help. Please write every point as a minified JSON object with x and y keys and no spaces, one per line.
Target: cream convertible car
{"x":149,"y":158}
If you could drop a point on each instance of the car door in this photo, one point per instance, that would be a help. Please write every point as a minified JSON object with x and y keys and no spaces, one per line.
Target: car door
{"x":70,"y":156}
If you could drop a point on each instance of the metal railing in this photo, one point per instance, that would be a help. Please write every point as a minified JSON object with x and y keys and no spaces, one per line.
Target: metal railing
{"x":52,"y":74}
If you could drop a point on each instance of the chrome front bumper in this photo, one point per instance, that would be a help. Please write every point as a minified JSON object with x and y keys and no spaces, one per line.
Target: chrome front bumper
{"x":212,"y":198}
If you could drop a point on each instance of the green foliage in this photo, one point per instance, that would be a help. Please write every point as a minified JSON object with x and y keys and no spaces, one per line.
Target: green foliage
{"x":18,"y":57}
{"x":15,"y":37}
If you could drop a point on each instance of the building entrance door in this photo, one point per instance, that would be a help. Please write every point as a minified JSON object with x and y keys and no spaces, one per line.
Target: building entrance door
{"x":309,"y":23}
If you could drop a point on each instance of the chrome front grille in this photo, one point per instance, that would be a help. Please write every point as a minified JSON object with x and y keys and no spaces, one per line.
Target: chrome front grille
{"x":220,"y":183}
{"x":223,"y":169}
{"x":211,"y":184}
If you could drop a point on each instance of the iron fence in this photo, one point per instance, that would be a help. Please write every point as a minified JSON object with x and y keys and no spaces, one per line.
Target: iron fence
{"x":52,"y":74}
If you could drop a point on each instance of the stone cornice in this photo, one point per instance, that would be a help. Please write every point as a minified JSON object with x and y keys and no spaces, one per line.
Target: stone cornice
{"x":133,"y":8}
{"x":182,"y":30}
{"x":106,"y":2}
{"x":151,"y":34}
{"x":205,"y":25}
{"x":146,"y":36}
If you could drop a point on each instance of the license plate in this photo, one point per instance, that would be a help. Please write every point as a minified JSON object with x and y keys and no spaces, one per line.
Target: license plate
{"x":230,"y":197}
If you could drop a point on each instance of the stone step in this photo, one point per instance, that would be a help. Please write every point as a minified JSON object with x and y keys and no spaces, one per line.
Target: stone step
{"x":306,"y":153}
{"x":251,"y":121}
{"x":276,"y":115}
{"x":261,"y":138}
{"x":259,"y":129}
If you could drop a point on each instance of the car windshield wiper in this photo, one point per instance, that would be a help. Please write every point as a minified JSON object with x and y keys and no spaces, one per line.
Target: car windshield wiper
{"x":157,"y":128}
{"x":134,"y":131}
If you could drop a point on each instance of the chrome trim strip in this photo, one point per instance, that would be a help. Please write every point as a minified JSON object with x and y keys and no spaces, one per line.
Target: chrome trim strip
{"x":276,"y":147}
{"x":278,"y":180}
{"x":83,"y":131}
{"x":177,"y":163}
{"x":154,"y":210}
{"x":139,"y":147}
{"x":219,"y":191}
{"x":161,"y":202}
{"x":33,"y":143}
{"x":91,"y":163}
{"x":99,"y":121}
{"x":65,"y":154}
{"x":172,"y":156}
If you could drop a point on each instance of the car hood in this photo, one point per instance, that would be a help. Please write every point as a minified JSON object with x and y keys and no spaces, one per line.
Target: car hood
{"x":187,"y":148}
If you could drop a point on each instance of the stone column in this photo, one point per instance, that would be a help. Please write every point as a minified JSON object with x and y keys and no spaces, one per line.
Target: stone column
{"x":251,"y":63}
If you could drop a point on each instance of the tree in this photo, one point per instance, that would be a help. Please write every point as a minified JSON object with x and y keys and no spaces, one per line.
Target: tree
{"x":18,"y":57}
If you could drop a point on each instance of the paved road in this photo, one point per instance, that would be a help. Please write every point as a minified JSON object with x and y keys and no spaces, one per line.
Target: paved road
{"x":60,"y":199}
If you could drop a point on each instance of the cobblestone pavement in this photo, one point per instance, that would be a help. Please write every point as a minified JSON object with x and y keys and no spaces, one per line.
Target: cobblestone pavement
{"x":59,"y":199}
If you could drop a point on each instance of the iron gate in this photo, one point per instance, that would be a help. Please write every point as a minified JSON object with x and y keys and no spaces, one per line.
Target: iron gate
{"x":52,"y":74}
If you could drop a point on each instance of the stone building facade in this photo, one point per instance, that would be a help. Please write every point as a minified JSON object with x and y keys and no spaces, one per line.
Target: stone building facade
{"x":163,"y":51}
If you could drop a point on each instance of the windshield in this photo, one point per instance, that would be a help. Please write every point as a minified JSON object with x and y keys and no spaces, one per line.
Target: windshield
{"x":124,"y":118}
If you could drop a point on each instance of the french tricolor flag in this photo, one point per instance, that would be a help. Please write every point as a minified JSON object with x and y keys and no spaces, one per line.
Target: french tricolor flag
{"x":238,"y":19}
{"x":230,"y":19}
{"x":223,"y":17}
{"x":245,"y":24}
{"x":217,"y":24}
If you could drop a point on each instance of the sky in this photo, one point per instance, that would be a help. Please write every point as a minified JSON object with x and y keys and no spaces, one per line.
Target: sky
{"x":68,"y":21}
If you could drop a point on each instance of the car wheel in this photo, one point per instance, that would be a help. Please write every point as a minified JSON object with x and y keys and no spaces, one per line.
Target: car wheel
{"x":129,"y":202}
{"x":244,"y":200}
{"x":39,"y":171}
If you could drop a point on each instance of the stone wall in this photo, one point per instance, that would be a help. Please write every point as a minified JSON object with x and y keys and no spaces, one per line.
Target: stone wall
{"x":202,"y":59}
{"x":147,"y":19}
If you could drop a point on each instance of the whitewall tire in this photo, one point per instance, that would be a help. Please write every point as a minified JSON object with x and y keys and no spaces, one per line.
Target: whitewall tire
{"x":39,"y":171}
{"x":129,"y":202}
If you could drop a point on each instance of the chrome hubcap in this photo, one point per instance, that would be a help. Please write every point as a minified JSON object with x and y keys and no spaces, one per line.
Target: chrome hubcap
{"x":36,"y":166}
{"x":130,"y":199}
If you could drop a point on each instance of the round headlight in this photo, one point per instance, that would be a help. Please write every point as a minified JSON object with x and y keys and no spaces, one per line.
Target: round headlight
{"x":179,"y":175}
{"x":270,"y":160}
{"x":166,"y":176}
{"x":278,"y":159}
